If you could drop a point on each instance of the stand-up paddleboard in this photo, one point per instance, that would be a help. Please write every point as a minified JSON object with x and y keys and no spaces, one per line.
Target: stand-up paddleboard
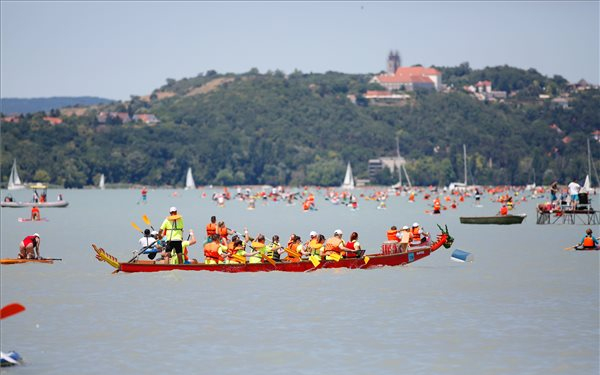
{"x":27,"y":220}
{"x":19,"y":261}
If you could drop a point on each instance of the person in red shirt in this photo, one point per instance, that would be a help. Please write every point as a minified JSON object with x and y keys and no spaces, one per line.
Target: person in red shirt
{"x":28,"y":245}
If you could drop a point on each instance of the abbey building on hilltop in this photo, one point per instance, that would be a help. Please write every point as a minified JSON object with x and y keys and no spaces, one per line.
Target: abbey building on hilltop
{"x":407,"y":78}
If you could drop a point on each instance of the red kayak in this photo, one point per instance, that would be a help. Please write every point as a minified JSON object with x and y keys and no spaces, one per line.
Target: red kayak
{"x":413,"y":254}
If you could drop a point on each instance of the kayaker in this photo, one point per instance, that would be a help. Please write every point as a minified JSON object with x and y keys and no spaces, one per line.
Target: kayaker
{"x":172,"y":230}
{"x":35,"y":213}
{"x":503,"y":210}
{"x":437,"y":205}
{"x":588,"y":241}
{"x":28,"y":245}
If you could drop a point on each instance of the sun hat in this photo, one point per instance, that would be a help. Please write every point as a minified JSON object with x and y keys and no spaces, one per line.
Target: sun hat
{"x":313,"y":233}
{"x":173,"y":209}
{"x":36,"y":235}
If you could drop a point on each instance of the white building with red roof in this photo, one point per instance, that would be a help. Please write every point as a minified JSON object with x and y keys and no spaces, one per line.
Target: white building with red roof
{"x":410,"y":78}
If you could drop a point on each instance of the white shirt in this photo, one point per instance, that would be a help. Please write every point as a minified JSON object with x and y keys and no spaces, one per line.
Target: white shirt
{"x":574,"y":188}
{"x":147,"y":241}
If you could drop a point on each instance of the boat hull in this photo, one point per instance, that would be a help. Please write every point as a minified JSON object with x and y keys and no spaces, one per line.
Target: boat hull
{"x":500,"y":220}
{"x":368,"y":262}
{"x":57,"y":204}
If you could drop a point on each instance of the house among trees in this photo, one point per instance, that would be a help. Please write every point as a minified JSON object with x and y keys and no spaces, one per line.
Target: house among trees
{"x":482,"y":90}
{"x":113,"y":117}
{"x":53,"y":120}
{"x":148,"y":119}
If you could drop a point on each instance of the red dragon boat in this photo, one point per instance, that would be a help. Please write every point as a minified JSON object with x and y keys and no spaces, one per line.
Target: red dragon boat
{"x":389,"y":256}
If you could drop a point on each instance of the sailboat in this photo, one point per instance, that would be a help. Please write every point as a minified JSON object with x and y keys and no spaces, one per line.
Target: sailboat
{"x":401,"y":167}
{"x":348,"y":179}
{"x":461,"y":185}
{"x":189,"y":180}
{"x":14,"y":182}
{"x":101,"y":183}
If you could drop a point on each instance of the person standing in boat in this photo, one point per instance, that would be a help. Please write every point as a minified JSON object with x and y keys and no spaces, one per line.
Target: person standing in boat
{"x":588,"y":241}
{"x":172,"y":230}
{"x":29,"y":248}
{"x":404,"y":238}
{"x":553,"y":192}
{"x":574,"y":188}
{"x":35,"y":213}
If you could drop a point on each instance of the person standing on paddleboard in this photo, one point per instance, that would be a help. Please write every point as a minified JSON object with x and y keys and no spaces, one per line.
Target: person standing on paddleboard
{"x":27,"y":246}
{"x":172,"y":231}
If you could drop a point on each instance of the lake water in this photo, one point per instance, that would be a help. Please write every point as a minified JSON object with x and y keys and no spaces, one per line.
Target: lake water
{"x":523,"y":306}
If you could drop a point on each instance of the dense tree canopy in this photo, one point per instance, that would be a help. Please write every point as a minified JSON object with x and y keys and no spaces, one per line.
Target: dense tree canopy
{"x":298,"y":129}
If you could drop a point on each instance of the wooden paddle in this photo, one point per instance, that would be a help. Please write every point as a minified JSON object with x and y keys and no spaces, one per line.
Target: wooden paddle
{"x":10,"y":310}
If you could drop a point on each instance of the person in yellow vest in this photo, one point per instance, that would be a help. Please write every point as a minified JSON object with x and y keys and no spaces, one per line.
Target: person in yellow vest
{"x":214,"y":251}
{"x":334,"y":246}
{"x":172,"y":231}
{"x":184,"y":244}
{"x":259,"y":248}
{"x":275,"y":249}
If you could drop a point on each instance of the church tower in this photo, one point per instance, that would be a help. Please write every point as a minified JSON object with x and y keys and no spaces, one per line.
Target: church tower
{"x":393,"y":62}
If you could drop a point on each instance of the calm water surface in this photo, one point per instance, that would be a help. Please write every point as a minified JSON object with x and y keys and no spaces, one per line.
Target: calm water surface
{"x":524,"y":306}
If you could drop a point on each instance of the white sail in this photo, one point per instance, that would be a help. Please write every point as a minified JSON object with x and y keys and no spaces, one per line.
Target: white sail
{"x":587,"y":185}
{"x":101,"y":183}
{"x":189,"y":180}
{"x":14,"y":182}
{"x":348,"y":179}
{"x":460,"y":186}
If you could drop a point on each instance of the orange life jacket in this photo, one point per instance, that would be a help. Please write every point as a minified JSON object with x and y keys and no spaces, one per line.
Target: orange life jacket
{"x":436,"y":204}
{"x":294,"y":248}
{"x":211,"y":229}
{"x":333,"y":244}
{"x":211,"y":250}
{"x":416,"y":236}
{"x":391,"y":235}
{"x":588,"y":242}
{"x":503,"y":210}
{"x":223,"y":232}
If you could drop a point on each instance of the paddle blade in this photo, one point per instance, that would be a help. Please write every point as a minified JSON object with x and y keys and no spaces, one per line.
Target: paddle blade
{"x":12,"y":309}
{"x":134,"y":225}
{"x":146,"y":220}
{"x":314,"y":260}
{"x":366,"y":259}
{"x":335,"y":257}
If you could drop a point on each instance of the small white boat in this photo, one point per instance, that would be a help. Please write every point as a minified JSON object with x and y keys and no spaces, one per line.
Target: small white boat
{"x":14,"y":182}
{"x":189,"y":180}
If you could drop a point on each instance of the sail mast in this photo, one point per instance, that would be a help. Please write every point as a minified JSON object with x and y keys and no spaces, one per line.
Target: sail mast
{"x":399,"y":164}
{"x":465,"y":161}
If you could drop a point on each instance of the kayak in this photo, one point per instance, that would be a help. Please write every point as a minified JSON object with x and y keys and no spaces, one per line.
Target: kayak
{"x":502,"y":220}
{"x":384,"y":258}
{"x":19,"y":261}
{"x":27,"y":220}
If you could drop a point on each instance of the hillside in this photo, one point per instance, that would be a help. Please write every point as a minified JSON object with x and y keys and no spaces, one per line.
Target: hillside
{"x":22,"y":106}
{"x":302,"y":129}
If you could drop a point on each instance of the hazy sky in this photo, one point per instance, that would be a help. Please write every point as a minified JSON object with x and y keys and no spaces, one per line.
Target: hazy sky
{"x":117,"y":49}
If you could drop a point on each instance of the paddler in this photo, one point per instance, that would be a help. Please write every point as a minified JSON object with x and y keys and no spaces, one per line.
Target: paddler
{"x":334,"y":246}
{"x":353,"y":247}
{"x":35,"y":213}
{"x":185,"y":245}
{"x":236,"y":251}
{"x":392,"y":234}
{"x":259,"y":249}
{"x":211,"y":228}
{"x":149,"y":242}
{"x":172,"y":230}
{"x":274,"y":250}
{"x":415,"y":234}
{"x":588,"y":241}
{"x":214,"y":251}
{"x":28,"y":245}
{"x":503,"y":210}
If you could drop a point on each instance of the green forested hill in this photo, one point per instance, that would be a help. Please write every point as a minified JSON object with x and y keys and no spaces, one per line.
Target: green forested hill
{"x":302,"y":129}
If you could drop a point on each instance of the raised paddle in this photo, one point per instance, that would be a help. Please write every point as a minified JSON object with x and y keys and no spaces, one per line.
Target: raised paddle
{"x":147,"y":221}
{"x":10,"y":310}
{"x":134,"y":225}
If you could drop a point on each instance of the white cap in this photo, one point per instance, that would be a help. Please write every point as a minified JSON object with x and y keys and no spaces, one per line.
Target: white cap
{"x":415,"y":224}
{"x":36,"y":235}
{"x":153,"y":233}
{"x":338,"y":231}
{"x":313,"y":233}
{"x":173,"y":209}
{"x":405,"y":227}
